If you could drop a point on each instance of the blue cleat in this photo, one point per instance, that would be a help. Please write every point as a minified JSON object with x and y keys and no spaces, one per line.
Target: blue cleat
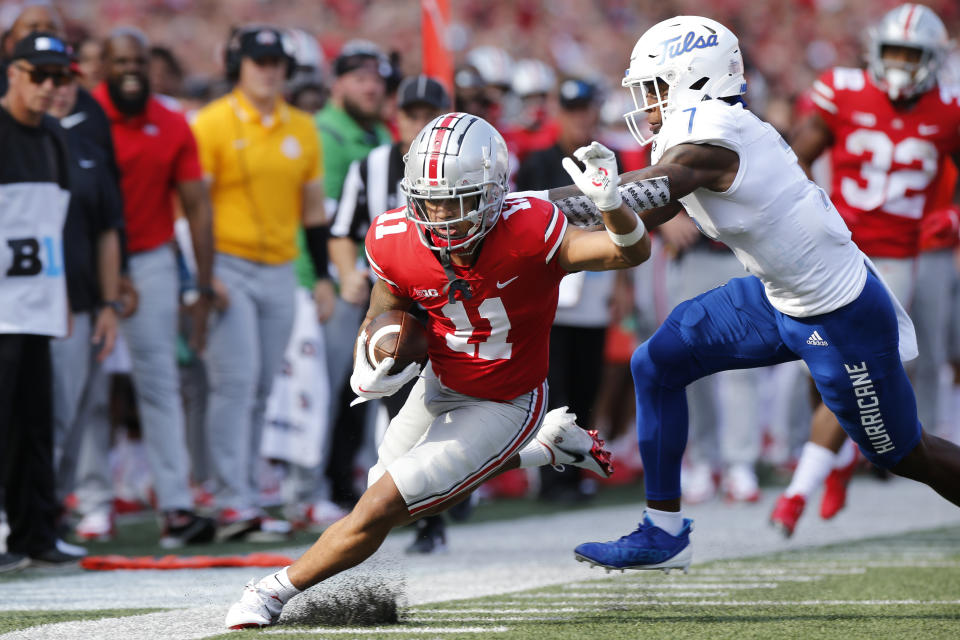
{"x":648,"y":547}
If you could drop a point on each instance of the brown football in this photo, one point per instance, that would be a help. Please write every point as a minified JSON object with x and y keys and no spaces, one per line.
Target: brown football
{"x":398,"y":335}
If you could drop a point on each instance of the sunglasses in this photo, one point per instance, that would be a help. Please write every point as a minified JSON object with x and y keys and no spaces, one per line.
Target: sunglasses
{"x":39,"y":76}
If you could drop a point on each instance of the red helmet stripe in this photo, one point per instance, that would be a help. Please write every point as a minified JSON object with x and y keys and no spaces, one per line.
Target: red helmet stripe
{"x":906,"y":25}
{"x":440,"y":133}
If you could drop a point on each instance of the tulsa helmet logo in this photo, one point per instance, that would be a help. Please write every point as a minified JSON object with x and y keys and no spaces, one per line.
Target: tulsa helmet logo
{"x":676,"y":47}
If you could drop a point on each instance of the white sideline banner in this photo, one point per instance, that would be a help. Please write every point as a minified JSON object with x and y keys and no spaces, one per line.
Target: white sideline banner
{"x":297,"y":414}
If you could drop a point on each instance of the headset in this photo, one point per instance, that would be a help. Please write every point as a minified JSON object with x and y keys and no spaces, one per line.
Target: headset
{"x":232,"y":53}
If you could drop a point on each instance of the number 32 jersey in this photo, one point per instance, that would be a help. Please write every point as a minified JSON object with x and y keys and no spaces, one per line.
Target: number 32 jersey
{"x":885,"y":161}
{"x":496,"y":344}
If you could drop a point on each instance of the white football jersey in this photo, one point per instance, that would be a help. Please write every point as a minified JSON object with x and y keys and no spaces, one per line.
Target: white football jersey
{"x":33,"y":290}
{"x":780,"y":225}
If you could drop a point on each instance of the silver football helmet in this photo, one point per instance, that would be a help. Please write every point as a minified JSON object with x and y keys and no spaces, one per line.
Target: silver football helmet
{"x":916,"y":27}
{"x":697,"y":58}
{"x":460,"y":157}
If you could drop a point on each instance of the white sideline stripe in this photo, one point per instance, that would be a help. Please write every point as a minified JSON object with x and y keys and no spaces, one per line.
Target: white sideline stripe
{"x":655,"y":586}
{"x":365,"y":631}
{"x":700,"y":580}
{"x":804,"y":603}
{"x":495,"y":619}
{"x":719,"y":603}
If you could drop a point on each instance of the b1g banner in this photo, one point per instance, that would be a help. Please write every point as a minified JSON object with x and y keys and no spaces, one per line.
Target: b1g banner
{"x":33,"y":295}
{"x":297,"y":414}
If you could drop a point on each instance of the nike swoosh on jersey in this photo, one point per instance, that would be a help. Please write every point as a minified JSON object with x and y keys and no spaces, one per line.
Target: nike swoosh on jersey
{"x":501,"y":285}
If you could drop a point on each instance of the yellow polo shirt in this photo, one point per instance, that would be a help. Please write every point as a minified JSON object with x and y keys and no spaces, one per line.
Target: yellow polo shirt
{"x":258,"y":167}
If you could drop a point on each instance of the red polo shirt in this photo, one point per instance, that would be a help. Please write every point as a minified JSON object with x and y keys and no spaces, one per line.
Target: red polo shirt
{"x":155,"y":151}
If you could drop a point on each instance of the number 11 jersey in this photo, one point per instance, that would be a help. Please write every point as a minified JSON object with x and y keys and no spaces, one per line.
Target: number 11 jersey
{"x":884,"y":160}
{"x":494,"y":345}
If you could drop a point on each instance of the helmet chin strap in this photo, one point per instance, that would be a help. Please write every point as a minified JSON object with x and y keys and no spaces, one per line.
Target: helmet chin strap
{"x":454,"y":284}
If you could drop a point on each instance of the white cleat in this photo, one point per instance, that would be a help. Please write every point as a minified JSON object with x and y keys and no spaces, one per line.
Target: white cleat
{"x":568,"y":443}
{"x":259,"y":606}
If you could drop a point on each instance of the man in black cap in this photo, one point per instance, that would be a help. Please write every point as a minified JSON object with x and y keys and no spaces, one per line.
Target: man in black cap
{"x":34,"y":191}
{"x":371,"y":188}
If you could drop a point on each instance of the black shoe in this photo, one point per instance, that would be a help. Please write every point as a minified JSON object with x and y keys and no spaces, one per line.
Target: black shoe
{"x":182,"y":527}
{"x":462,"y":511}
{"x":431,"y":536}
{"x":54,"y":558}
{"x":12,"y":561}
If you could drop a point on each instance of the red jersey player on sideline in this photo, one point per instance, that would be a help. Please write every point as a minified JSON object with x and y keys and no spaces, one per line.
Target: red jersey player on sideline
{"x":887,"y":128}
{"x":487,"y":268}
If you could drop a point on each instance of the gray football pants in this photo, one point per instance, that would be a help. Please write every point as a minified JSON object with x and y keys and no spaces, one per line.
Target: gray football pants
{"x":728,"y":398}
{"x":932,"y":314}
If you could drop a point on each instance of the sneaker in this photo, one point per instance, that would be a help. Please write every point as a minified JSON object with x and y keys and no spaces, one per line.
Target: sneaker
{"x":431,"y":536}
{"x":73,"y":549}
{"x":322,"y":514}
{"x":787,"y":512}
{"x":181,"y":527}
{"x":696,"y":483}
{"x":740,"y":484}
{"x":251,"y":525}
{"x":835,"y":489}
{"x":259,"y":606}
{"x":12,"y":561}
{"x":568,"y":443}
{"x":95,"y":527}
{"x":648,"y":547}
{"x":56,"y":557}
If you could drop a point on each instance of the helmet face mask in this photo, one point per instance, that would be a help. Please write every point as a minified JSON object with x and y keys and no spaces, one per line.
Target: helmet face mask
{"x":696,"y":58}
{"x":455,"y":182}
{"x":903,"y":30}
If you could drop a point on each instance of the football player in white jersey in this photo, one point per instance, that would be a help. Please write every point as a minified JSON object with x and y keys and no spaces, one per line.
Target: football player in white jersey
{"x":812,"y":295}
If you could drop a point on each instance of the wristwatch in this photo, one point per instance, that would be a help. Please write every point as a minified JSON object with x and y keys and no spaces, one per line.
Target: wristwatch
{"x":116,"y":305}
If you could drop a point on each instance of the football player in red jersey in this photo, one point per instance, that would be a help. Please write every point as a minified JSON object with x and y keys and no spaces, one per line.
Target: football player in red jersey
{"x":487,"y":268}
{"x":887,"y":128}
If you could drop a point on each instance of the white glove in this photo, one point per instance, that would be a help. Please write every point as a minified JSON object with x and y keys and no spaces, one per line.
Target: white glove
{"x":600,"y":180}
{"x":369,"y":383}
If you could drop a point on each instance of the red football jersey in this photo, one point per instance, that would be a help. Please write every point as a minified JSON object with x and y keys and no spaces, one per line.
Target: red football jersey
{"x":885,"y":161}
{"x":496,"y":344}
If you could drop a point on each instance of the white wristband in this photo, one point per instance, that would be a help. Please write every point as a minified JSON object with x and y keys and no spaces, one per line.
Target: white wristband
{"x":629,"y":239}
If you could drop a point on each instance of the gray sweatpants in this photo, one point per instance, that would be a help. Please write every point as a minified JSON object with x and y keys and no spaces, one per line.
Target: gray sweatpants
{"x":80,"y":402}
{"x":151,"y":335}
{"x":244,"y":353}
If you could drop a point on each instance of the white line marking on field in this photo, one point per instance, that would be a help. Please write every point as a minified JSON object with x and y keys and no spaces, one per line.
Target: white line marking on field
{"x":656,"y":586}
{"x":700,"y":578}
{"x":803,"y":603}
{"x":379,"y":630}
{"x":496,"y":619}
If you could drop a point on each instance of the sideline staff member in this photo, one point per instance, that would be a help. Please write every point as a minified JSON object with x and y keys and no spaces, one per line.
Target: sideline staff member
{"x":262,"y":158}
{"x":34,"y":194}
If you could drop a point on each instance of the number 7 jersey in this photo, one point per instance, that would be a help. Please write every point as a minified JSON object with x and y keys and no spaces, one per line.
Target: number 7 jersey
{"x":885,"y":161}
{"x":494,"y":345}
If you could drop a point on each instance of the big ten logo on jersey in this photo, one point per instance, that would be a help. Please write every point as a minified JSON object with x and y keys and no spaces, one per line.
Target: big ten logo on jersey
{"x":35,"y":256}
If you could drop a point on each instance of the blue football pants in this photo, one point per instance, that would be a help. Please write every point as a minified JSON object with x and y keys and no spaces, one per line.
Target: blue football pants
{"x":852,"y":354}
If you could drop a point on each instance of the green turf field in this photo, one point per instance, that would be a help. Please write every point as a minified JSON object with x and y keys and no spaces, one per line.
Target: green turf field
{"x":895,"y":587}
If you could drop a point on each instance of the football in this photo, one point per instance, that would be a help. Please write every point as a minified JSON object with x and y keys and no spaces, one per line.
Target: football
{"x":398,"y":335}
